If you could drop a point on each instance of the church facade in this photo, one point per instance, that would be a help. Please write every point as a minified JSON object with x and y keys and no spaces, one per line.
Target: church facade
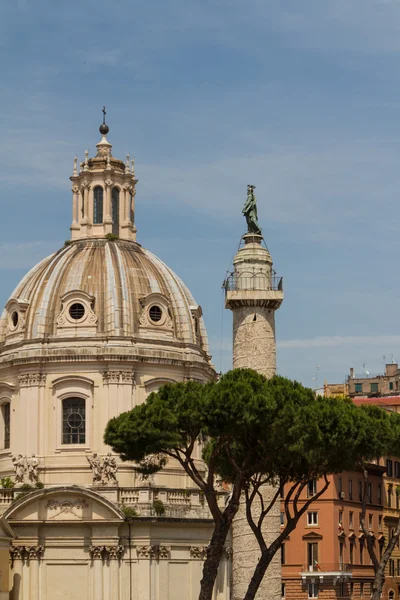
{"x":88,"y":334}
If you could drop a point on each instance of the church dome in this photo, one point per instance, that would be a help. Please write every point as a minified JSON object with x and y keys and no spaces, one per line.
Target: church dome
{"x":101,"y":288}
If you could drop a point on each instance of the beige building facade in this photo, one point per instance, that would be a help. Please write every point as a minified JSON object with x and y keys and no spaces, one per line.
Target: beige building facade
{"x":88,"y":333}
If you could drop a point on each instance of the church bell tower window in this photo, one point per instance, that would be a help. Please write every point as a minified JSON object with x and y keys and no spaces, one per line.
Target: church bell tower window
{"x":115,"y":210}
{"x":74,"y":421}
{"x":5,"y":410}
{"x":98,"y":205}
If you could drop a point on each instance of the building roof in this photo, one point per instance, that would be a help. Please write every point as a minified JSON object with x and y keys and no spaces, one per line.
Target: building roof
{"x":386,"y":401}
{"x":118,"y":280}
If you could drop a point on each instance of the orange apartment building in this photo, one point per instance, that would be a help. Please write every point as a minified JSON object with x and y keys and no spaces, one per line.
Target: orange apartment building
{"x":326,"y":557}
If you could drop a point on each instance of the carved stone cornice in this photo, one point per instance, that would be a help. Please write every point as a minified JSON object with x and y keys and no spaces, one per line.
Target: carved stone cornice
{"x":198,"y":552}
{"x":32,"y":379}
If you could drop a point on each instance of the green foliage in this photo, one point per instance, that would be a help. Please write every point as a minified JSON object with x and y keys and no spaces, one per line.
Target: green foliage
{"x":169,"y":419}
{"x":39,"y":485}
{"x":129,"y":512}
{"x":159,"y":508}
{"x":250,"y":425}
{"x":7,"y":483}
{"x":67,"y":242}
{"x":111,"y":236}
{"x":252,"y":430}
{"x":26,"y":487}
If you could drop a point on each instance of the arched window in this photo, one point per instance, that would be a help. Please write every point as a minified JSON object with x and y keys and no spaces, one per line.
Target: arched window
{"x":98,"y":204}
{"x":115,"y":210}
{"x":5,"y":414}
{"x":391,"y":595}
{"x":74,"y":421}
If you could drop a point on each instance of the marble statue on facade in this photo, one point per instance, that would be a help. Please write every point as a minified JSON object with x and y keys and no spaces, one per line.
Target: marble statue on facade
{"x":103,"y":472}
{"x":96,"y":467}
{"x":19,"y":468}
{"x":110,"y":469}
{"x":32,"y":465}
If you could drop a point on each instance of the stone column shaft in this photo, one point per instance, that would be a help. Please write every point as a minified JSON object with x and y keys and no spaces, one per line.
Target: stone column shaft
{"x":253,"y":296}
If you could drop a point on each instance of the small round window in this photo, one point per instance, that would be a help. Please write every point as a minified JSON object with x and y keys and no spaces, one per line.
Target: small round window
{"x":14,"y":319}
{"x":155,"y":313}
{"x":76,"y":311}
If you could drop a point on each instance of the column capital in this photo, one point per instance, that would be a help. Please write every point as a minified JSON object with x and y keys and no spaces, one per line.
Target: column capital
{"x":96,"y":552}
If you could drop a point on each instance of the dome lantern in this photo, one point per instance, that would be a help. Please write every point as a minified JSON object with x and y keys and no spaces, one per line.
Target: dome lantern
{"x":103,"y":194}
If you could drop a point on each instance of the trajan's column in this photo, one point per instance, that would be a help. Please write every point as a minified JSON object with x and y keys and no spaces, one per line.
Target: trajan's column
{"x":253,"y":294}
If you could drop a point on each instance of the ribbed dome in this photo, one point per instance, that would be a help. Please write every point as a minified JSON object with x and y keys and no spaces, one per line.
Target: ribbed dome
{"x":119,"y":281}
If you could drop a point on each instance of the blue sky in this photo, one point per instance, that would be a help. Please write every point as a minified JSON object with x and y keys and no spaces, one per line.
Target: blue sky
{"x":301,"y":99}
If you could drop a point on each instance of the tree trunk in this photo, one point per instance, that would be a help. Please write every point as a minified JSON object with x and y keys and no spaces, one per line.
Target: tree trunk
{"x":258,"y":575}
{"x":377,"y":586}
{"x":211,"y":564}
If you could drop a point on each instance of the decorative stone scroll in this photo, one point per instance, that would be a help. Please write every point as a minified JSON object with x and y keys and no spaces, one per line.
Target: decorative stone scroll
{"x":228,"y":552}
{"x":106,"y":552}
{"x":153,"y":552}
{"x":32,"y":379}
{"x":96,"y":552}
{"x":198,"y":552}
{"x":115,"y":377}
{"x":34,"y":552}
{"x":26,"y":553}
{"x":66,"y":506}
{"x":114,"y":552}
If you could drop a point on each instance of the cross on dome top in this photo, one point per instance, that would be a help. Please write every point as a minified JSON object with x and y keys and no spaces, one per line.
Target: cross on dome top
{"x":104,"y":128}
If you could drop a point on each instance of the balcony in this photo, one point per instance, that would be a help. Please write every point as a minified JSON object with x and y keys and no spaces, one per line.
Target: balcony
{"x":253,"y":282}
{"x":146,"y":501}
{"x":177,"y":503}
{"x":253,"y":289}
{"x":335,"y":571}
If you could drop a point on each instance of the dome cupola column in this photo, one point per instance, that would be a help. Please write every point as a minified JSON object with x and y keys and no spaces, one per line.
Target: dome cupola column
{"x":253,"y":293}
{"x":103,"y":194}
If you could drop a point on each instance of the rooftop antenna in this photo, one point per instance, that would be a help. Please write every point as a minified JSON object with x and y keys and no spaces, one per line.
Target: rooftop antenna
{"x":317,"y":368}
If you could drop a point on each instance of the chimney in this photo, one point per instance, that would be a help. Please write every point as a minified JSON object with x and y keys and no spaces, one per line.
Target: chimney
{"x":391,"y":369}
{"x":351,"y":372}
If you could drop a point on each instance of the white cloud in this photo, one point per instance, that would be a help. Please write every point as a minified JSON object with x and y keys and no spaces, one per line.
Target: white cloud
{"x":337,"y":340}
{"x":102,"y":57}
{"x":306,"y":185}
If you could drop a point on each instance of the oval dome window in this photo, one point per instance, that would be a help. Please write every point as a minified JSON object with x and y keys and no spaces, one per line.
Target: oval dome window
{"x":155,"y":313}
